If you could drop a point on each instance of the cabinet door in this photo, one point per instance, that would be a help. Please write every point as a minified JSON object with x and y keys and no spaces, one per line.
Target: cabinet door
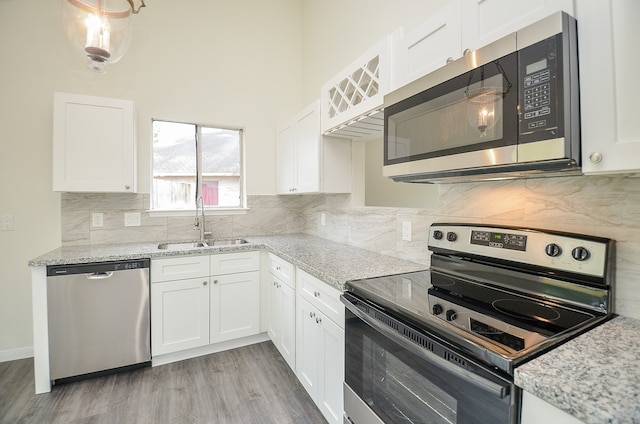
{"x":307,"y":141}
{"x":331,"y":366}
{"x":179,"y":315}
{"x":235,"y":306}
{"x":537,"y":411}
{"x":282,"y":319}
{"x":609,"y":86}
{"x":286,"y":160}
{"x":485,"y":21}
{"x":94,"y":144}
{"x":427,"y":47}
{"x":307,"y":347}
{"x":288,"y":329}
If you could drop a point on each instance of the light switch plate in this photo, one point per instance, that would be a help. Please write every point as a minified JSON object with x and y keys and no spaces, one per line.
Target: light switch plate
{"x":7,"y":223}
{"x":132,"y":219}
{"x":97,"y":220}
{"x":406,"y":230}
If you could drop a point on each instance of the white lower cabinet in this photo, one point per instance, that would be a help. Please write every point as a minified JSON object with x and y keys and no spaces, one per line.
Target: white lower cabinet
{"x":320,"y":347}
{"x":537,"y":411}
{"x":282,"y":320}
{"x":206,"y":308}
{"x":235,"y":306}
{"x":179,"y":315}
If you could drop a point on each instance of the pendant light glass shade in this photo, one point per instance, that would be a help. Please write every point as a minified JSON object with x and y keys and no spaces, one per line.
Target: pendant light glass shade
{"x":99,"y":29}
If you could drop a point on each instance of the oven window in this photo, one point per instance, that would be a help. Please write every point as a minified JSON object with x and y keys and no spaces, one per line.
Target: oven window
{"x":404,"y":395}
{"x":400,"y":386}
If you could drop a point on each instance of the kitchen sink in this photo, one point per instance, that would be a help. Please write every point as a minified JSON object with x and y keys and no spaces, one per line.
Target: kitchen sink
{"x":201,"y":243}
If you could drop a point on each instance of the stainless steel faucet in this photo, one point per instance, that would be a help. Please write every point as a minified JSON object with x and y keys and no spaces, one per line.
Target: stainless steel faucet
{"x":200,"y":217}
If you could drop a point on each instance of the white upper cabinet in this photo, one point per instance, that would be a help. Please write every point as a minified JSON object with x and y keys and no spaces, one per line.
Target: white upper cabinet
{"x":427,"y":47}
{"x":485,"y":21}
{"x":94,"y":144}
{"x":308,"y":162}
{"x":608,"y":33}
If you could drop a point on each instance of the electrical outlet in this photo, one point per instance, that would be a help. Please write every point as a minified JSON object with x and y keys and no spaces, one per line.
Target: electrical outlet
{"x":97,"y":220}
{"x":323,"y":218}
{"x":7,"y":223}
{"x":406,"y":230}
{"x":132,"y":219}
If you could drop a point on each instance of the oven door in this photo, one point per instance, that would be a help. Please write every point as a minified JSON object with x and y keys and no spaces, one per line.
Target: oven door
{"x":396,"y":373}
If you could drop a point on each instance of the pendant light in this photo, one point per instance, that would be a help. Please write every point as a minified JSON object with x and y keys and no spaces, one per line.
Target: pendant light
{"x":99,"y":29}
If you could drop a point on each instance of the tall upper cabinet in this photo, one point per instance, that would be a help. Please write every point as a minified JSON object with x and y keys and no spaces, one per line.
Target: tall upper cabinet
{"x":94,"y":144}
{"x":309,"y":162}
{"x":608,"y":33}
{"x":459,"y":28}
{"x":485,"y":21}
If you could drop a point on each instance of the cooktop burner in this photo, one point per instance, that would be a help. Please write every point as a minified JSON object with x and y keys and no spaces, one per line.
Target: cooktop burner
{"x":529,"y":310}
{"x":502,"y":303}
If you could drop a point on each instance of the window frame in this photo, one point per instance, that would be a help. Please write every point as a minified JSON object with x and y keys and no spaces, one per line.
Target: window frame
{"x":208,"y":210}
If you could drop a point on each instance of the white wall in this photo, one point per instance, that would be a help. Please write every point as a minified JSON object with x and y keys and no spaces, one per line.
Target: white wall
{"x":336,"y":32}
{"x":232,"y":63}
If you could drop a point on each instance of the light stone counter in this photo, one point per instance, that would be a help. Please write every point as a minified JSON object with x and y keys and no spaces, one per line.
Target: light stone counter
{"x":331,"y":262}
{"x":594,"y":377}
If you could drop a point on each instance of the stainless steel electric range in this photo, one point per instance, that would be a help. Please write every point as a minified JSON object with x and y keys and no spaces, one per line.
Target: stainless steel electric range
{"x":440,"y":346}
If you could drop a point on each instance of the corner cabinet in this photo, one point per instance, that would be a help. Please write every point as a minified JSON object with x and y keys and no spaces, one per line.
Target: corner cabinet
{"x":320,"y":344}
{"x":94,"y":144}
{"x":282,"y":301}
{"x":308,"y":162}
{"x":607,"y":33}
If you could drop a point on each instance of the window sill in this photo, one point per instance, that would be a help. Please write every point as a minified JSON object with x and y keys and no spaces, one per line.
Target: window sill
{"x":192,"y":212}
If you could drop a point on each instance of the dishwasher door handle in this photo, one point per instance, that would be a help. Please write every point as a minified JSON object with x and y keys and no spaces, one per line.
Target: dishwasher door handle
{"x":99,"y":275}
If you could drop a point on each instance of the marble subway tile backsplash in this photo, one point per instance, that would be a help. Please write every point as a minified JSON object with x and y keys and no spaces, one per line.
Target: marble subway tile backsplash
{"x":606,"y":206}
{"x":267,"y":215}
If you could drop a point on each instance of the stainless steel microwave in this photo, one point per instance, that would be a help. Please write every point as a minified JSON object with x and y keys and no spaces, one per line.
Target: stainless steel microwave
{"x":507,"y":110}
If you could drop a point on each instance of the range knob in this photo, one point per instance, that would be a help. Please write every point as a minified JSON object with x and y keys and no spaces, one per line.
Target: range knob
{"x":437,"y":234}
{"x":553,"y":250}
{"x":450,"y":315}
{"x":580,"y":254}
{"x":451,"y":236}
{"x":437,"y":309}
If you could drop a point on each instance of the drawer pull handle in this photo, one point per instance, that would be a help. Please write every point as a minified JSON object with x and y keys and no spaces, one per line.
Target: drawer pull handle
{"x":204,"y":283}
{"x":318,"y":320}
{"x":312,"y":314}
{"x":215,"y":281}
{"x":316,"y":294}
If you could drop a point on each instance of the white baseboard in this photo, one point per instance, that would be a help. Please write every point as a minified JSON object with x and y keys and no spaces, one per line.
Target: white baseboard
{"x":14,"y":354}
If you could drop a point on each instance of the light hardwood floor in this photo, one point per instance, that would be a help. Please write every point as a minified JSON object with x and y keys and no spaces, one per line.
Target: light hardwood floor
{"x":252,"y":384}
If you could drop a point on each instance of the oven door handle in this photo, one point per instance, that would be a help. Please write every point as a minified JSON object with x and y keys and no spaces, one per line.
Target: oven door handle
{"x":496,"y":389}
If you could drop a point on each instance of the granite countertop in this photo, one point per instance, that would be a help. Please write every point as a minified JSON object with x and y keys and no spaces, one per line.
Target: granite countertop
{"x":332,"y":262}
{"x":594,"y":377}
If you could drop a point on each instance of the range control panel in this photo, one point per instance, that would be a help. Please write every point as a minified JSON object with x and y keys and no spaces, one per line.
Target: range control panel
{"x":562,"y":251}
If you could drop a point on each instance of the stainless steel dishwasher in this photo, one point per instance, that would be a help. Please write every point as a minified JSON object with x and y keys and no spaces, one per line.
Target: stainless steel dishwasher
{"x":98,"y":318}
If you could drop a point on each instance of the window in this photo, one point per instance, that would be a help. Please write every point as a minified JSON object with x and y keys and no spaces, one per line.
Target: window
{"x":190,"y":161}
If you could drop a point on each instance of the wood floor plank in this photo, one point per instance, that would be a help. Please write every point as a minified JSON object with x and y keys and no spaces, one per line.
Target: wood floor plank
{"x":252,"y":384}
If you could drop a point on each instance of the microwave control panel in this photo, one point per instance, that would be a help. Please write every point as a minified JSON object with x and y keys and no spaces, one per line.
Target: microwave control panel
{"x":539,"y":76}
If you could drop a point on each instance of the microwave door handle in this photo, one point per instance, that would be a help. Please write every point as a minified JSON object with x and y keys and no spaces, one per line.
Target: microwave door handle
{"x":497,"y":390}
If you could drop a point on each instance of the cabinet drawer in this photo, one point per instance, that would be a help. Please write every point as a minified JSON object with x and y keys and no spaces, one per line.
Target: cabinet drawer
{"x":321,"y":296}
{"x":231,"y":263}
{"x":179,"y":268}
{"x":282,"y":270}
